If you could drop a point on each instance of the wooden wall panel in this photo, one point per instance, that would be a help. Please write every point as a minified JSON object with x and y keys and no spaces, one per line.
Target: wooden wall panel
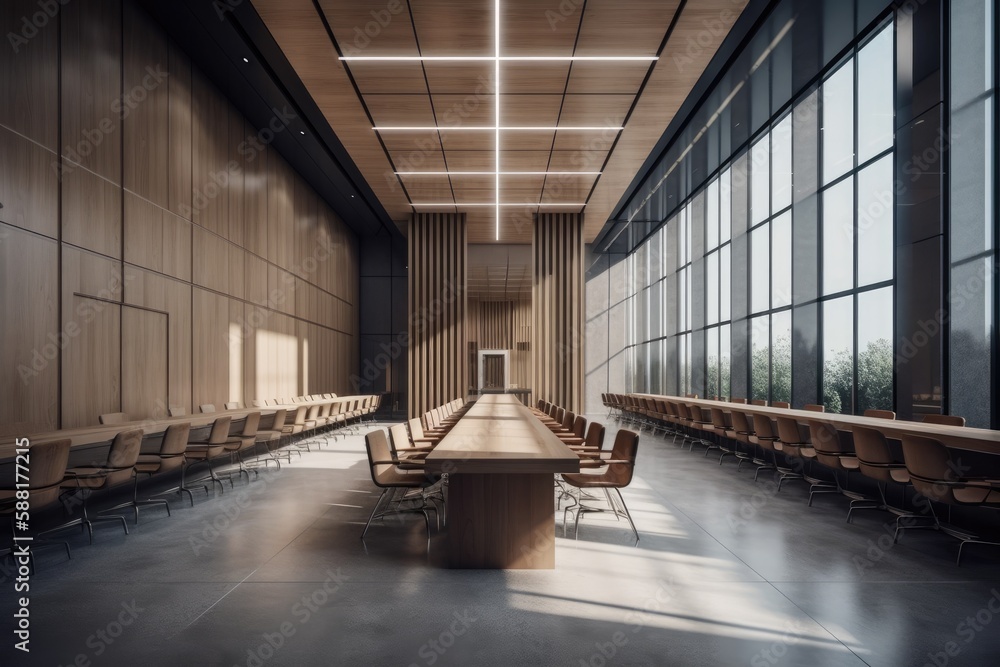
{"x":557,"y":348}
{"x":92,"y":86}
{"x":29,"y":189}
{"x":147,"y":194}
{"x":179,"y":167}
{"x":144,"y":362}
{"x":29,"y":76}
{"x":151,"y":290}
{"x":91,"y":211}
{"x":501,"y":325}
{"x":147,"y":147}
{"x":91,"y":360}
{"x":29,"y":357}
{"x":210,"y":154}
{"x":438,"y":358}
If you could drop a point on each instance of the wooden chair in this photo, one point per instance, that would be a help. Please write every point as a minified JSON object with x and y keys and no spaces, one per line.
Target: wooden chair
{"x":815,"y":407}
{"x":944,"y":420}
{"x":880,"y":414}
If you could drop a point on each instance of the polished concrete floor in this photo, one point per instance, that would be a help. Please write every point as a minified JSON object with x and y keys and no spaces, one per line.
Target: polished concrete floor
{"x":728,"y":572}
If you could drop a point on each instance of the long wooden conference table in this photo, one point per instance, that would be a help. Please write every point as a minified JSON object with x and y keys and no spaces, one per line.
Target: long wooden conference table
{"x":85,"y":437}
{"x":501,"y":461}
{"x":980,"y":440}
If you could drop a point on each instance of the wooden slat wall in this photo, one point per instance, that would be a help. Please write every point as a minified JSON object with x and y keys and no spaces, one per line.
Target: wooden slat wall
{"x":557,"y":304}
{"x":438,"y":357}
{"x":137,"y":271}
{"x":501,"y":325}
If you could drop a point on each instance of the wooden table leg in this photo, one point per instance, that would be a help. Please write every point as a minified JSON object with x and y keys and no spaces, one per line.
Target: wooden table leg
{"x":501,"y":521}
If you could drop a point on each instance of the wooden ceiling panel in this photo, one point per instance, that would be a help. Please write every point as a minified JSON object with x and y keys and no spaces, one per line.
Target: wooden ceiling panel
{"x":468,"y":141}
{"x":464,"y":110}
{"x":418,"y":160}
{"x":527,"y":141}
{"x":369,"y":27}
{"x":522,"y":181}
{"x":529,"y":110}
{"x":388,"y":78}
{"x":568,"y":140}
{"x":524,"y":160}
{"x":454,"y":27}
{"x":607,"y":77}
{"x":473,"y":184}
{"x":546,"y":77}
{"x":426,"y":141}
{"x":471,"y":160}
{"x":400,"y":109}
{"x":539,"y":27}
{"x":610,"y":27}
{"x":589,"y":160}
{"x":461,"y":78}
{"x":599,"y":110}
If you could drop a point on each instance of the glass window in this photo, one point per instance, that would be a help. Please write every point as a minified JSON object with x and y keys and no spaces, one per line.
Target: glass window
{"x":725,"y":283}
{"x":760,"y":357}
{"x":875,"y":92}
{"x":781,"y":260}
{"x":712,"y":362}
{"x":712,"y":288}
{"x":875,"y":357}
{"x":781,"y":356}
{"x":725,"y":206}
{"x":838,"y":237}
{"x":760,"y":266}
{"x":781,"y":165}
{"x":725,"y":354}
{"x":685,"y":363}
{"x":838,"y":123}
{"x":760,"y":191}
{"x":875,"y":222}
{"x":683,"y":321}
{"x":712,"y":216}
{"x":838,"y":354}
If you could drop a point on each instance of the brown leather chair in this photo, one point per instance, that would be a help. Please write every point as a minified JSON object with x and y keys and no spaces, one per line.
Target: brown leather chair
{"x":797,"y":446}
{"x":613,"y":473}
{"x":815,"y":407}
{"x":933,"y":475}
{"x":880,"y":414}
{"x":403,"y":447}
{"x":739,"y":431}
{"x":781,"y":404}
{"x":118,"y":469}
{"x":392,"y":475}
{"x":944,"y":420}
{"x":833,"y":452}
{"x":48,"y":462}
{"x":237,"y":444}
{"x":113,"y":418}
{"x":765,"y":437}
{"x":271,"y":438}
{"x":203,"y":451}
{"x":876,"y":462}
{"x":173,"y":443}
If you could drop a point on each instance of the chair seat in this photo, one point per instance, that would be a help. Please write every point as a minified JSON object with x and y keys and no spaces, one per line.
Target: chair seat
{"x":588,"y":481}
{"x":978,"y":494}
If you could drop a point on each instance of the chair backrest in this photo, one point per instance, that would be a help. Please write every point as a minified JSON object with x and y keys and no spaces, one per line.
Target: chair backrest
{"x":220,"y":430}
{"x":207,"y":408}
{"x":741,"y":401}
{"x":719,"y":419}
{"x":233,"y":405}
{"x":874,"y":456}
{"x":781,"y":404}
{"x":122,"y":456}
{"x":758,"y":401}
{"x":416,"y":430}
{"x":944,"y":420}
{"x":178,"y":411}
{"x":400,"y":438}
{"x":929,"y":466}
{"x":880,"y":414}
{"x":567,"y":421}
{"x":279,"y":419}
{"x":250,"y":425}
{"x":789,"y":431}
{"x":815,"y":407}
{"x":595,"y":435}
{"x":378,"y":450}
{"x":175,"y":439}
{"x":740,"y":422}
{"x":763,"y":428}
{"x":625,"y":448}
{"x":113,"y":418}
{"x":48,"y":467}
{"x":579,"y":426}
{"x":826,"y":441}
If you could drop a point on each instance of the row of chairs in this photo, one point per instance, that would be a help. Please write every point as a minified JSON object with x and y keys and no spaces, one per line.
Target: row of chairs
{"x":244,"y":441}
{"x":603,"y":469}
{"x":396,"y":463}
{"x":819,"y":454}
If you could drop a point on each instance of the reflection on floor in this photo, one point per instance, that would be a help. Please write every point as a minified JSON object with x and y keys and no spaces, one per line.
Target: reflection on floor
{"x":728,"y":572}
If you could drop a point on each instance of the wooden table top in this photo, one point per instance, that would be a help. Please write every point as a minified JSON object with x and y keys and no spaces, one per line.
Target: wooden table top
{"x":956,"y":437}
{"x":94,"y":435}
{"x":500,"y":435}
